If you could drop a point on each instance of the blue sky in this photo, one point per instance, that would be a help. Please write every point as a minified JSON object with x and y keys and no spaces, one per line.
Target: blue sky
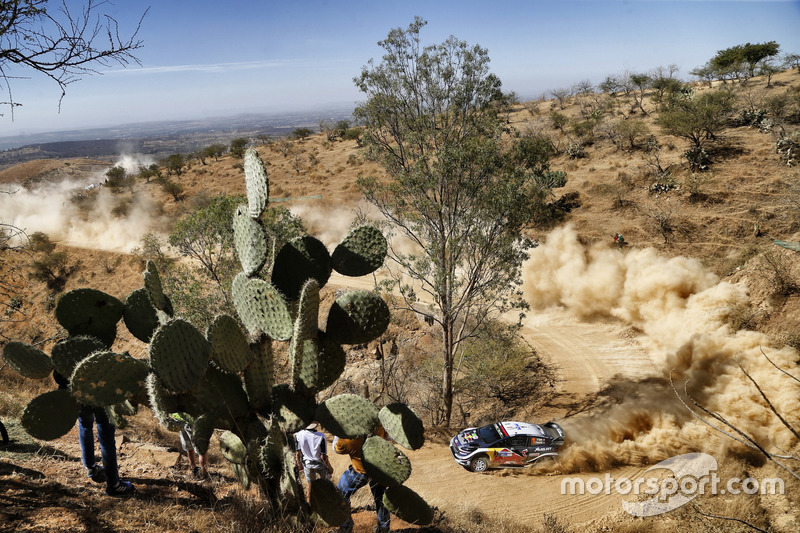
{"x":207,"y":58}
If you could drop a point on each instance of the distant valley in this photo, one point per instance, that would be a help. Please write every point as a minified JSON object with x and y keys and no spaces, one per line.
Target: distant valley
{"x":156,"y":139}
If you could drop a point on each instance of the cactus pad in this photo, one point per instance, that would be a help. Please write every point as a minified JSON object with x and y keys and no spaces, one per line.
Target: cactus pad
{"x":232,"y":448}
{"x":293,"y":409}
{"x":139,"y":315}
{"x":261,"y":307}
{"x":50,"y":415}
{"x":384,"y":463}
{"x":162,"y":403}
{"x":357,"y":317}
{"x":298,"y":261}
{"x":348,"y":416}
{"x":89,"y":312}
{"x":259,"y":375}
{"x":230,"y":350}
{"x":27,"y":360}
{"x":327,"y":502}
{"x":203,"y":429}
{"x":256,"y":183}
{"x":107,"y":378}
{"x":323,"y":363}
{"x":360,"y":253}
{"x":221,"y":394}
{"x":71,"y":351}
{"x":250,"y":239}
{"x":408,"y":505}
{"x":179,"y":355}
{"x":403,"y":425}
{"x":155,"y":290}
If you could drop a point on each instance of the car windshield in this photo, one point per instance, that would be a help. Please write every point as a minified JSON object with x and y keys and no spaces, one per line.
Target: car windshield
{"x":489,"y":433}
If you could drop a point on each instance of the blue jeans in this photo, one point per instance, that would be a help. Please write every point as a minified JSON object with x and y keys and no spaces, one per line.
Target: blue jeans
{"x":105,"y":436}
{"x":349,"y":483}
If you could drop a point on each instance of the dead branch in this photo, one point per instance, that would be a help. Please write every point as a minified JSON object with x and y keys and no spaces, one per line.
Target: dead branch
{"x":769,"y":404}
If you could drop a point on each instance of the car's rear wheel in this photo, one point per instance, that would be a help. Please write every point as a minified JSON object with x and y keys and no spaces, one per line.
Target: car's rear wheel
{"x":479,"y":464}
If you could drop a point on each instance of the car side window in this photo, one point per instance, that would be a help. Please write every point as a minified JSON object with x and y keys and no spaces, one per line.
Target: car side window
{"x":516,"y":442}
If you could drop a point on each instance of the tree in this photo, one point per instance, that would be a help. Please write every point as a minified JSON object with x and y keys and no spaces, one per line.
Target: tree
{"x":430,"y":118}
{"x":742,"y":59}
{"x":238,"y":146}
{"x":699,"y":118}
{"x":792,"y":61}
{"x":207,"y":236}
{"x":302,"y":133}
{"x":174,"y":164}
{"x":641,"y":83}
{"x":59,"y":43}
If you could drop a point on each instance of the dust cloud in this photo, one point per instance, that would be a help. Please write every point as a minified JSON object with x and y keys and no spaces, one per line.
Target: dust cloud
{"x":81,"y":212}
{"x":683,"y":312}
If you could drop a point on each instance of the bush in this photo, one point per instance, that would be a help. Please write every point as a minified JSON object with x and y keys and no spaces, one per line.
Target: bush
{"x":698,"y":159}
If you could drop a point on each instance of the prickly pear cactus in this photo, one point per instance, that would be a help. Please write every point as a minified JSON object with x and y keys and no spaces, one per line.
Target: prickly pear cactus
{"x":224,"y":380}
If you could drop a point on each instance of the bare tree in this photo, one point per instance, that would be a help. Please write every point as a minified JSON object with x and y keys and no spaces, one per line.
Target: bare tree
{"x":59,"y":42}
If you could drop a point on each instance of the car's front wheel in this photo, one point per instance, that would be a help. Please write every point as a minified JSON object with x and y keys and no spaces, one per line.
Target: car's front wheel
{"x":479,"y":464}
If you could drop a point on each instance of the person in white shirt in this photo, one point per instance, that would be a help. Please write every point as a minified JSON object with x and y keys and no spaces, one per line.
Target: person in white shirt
{"x":311,"y":452}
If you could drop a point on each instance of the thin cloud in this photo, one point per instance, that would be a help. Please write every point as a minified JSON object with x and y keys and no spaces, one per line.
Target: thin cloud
{"x":210,"y":67}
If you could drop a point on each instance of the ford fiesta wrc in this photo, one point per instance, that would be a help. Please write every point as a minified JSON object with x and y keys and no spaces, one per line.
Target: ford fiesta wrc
{"x":506,"y":445}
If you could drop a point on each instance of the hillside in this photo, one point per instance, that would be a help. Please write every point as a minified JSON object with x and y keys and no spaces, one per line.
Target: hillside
{"x":692,"y":234}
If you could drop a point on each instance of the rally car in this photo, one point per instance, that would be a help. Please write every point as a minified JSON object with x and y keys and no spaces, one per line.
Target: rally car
{"x":506,"y":445}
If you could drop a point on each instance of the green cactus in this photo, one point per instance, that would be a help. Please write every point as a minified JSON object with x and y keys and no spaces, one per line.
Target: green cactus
{"x":361,"y":252}
{"x":89,"y":312}
{"x":140,"y":316}
{"x":230,"y":350}
{"x":179,"y":355}
{"x":384,"y":463}
{"x":348,"y":416}
{"x":357,"y":317}
{"x":403,"y":425}
{"x":408,"y":505}
{"x":50,"y":415}
{"x":327,"y":502}
{"x":68,"y":353}
{"x":256,"y":183}
{"x":251,"y":241}
{"x":261,"y":307}
{"x":298,"y":261}
{"x":107,"y":378}
{"x":27,"y":360}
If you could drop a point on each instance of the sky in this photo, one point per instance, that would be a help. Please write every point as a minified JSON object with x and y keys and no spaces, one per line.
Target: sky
{"x":208,"y":58}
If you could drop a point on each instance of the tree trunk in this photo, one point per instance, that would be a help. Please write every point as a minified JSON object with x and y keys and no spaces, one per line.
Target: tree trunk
{"x":447,"y":377}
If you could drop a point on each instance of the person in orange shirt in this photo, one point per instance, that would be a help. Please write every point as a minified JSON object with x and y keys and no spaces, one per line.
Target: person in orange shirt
{"x":356,"y":477}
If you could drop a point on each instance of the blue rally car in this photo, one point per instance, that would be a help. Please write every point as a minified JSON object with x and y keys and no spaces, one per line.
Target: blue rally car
{"x":506,"y":445}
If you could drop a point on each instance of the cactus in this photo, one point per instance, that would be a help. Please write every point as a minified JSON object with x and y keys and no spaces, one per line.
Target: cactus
{"x":384,"y":463}
{"x":179,"y":355}
{"x":327,"y":502}
{"x":68,"y":353}
{"x":360,"y":253}
{"x":27,"y":360}
{"x":225,"y":379}
{"x":229,"y":347}
{"x":50,"y":415}
{"x":403,"y":425}
{"x":408,"y":505}
{"x":89,"y":312}
{"x":106,"y":378}
{"x":348,"y":416}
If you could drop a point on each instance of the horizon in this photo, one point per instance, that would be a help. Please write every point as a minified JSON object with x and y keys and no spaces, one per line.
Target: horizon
{"x":200,"y":62}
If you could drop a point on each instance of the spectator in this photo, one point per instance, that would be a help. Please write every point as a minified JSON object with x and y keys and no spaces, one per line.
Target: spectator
{"x":312,"y":455}
{"x":108,"y":472}
{"x":356,"y":477}
{"x":187,"y":443}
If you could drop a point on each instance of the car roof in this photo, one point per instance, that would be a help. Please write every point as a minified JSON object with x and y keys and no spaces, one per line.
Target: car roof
{"x":512,"y":429}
